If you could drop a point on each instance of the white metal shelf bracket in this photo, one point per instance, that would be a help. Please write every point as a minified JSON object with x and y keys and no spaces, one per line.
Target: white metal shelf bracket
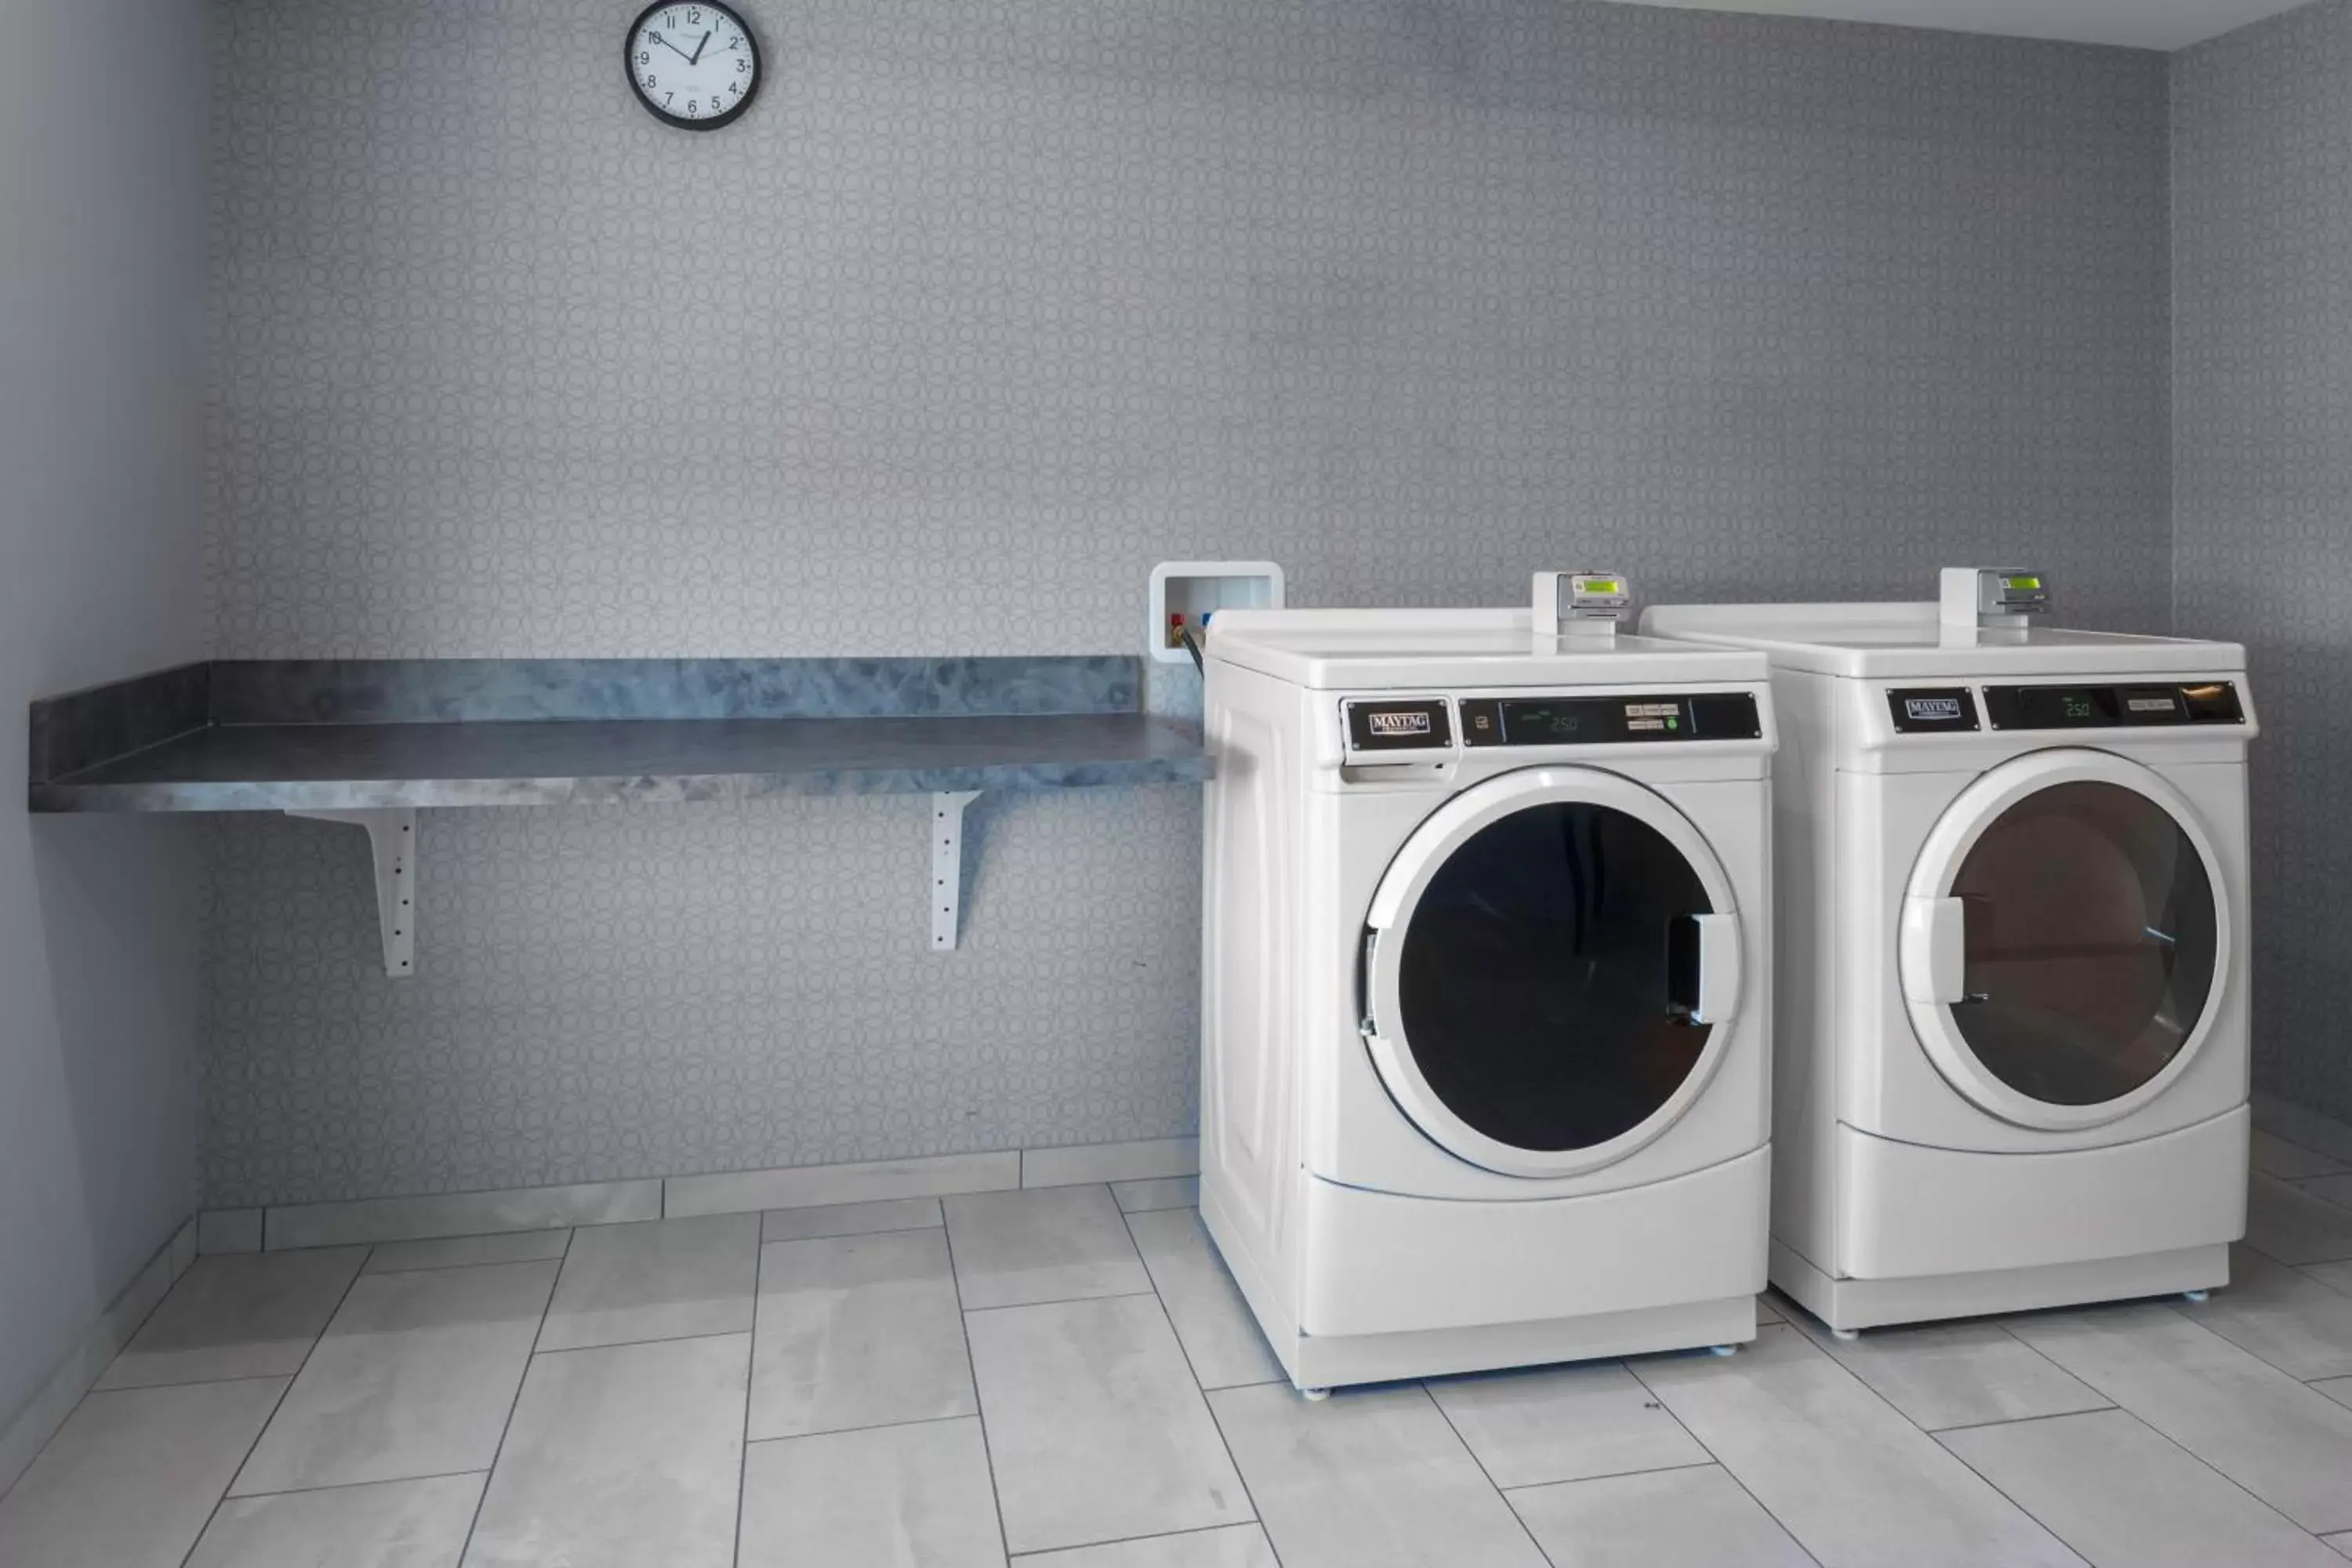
{"x":947,"y":865}
{"x":392,"y":838}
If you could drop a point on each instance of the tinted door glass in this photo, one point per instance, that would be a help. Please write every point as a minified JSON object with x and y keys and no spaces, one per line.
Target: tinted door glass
{"x":2091,"y":942}
{"x":1535,"y":979}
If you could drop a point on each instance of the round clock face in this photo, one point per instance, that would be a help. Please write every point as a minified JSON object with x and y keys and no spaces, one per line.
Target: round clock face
{"x":695,"y":66}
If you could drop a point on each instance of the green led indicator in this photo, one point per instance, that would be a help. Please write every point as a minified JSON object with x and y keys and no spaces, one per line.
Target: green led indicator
{"x":1674,"y":723}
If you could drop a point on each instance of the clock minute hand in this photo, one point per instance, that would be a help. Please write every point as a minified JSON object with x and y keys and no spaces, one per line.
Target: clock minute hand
{"x":696,"y":57}
{"x":673,"y":48}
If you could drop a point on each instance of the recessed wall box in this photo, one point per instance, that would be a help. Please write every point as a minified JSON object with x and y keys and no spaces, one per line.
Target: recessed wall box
{"x":1197,"y":590}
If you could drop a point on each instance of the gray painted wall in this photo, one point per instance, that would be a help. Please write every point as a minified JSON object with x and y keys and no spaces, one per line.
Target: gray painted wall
{"x":101,"y":536}
{"x":2262,"y":129}
{"x":981,"y":312}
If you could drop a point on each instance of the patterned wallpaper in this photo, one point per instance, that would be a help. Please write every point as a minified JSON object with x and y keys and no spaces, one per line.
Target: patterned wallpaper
{"x":2261,"y":127}
{"x":985,"y":306}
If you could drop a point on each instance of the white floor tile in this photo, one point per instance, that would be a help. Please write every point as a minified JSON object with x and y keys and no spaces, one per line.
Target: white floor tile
{"x":2289,"y":1320}
{"x":465,"y":1251}
{"x":2124,"y":1497}
{"x":915,"y":1496}
{"x":1563,"y":1423}
{"x":130,"y":1479}
{"x":1230,"y":1546}
{"x":1697,"y":1518}
{"x":2276,"y":1156}
{"x":1095,"y":1425}
{"x":2293,"y":1225}
{"x":851,"y":1219}
{"x":1371,"y":1478}
{"x":2338,"y":1389}
{"x":388,"y":1524}
{"x":2336,"y":1277}
{"x":1851,"y":1479}
{"x":2341,"y":1543}
{"x":621,"y":1457}
{"x":1958,"y":1374}
{"x":2287,"y":1445}
{"x":1221,"y":1336}
{"x":857,"y":1331}
{"x":415,"y":1376}
{"x":1055,"y":1244}
{"x":250,"y":1315}
{"x":664,"y":1279}
{"x":1162,"y":1193}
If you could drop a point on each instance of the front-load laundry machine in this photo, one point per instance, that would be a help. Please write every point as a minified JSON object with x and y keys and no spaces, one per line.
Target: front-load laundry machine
{"x":1486,"y":968}
{"x":2012,"y":1004}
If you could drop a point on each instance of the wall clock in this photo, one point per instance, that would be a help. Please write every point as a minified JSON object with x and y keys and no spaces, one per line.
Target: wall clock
{"x":694,"y":66}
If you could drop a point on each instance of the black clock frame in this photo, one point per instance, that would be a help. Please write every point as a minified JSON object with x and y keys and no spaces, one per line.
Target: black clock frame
{"x":637,"y":87}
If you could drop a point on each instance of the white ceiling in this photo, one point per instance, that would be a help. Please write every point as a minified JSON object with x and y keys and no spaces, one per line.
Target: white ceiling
{"x":2140,"y":23}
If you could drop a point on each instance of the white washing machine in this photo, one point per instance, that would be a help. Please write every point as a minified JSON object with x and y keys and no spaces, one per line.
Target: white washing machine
{"x":1485,"y":1049}
{"x":2011,"y":1031}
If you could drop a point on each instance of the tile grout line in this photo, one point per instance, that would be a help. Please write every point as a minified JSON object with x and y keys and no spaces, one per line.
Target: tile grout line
{"x":971,"y":1371}
{"x":1996,"y":1490}
{"x":750,"y":1371}
{"x":1044,"y":1552}
{"x":1201,"y":1389}
{"x":358,"y":1274}
{"x":515,"y":1403}
{"x":1716,"y":1459}
{"x":1710,"y":1463}
{"x":2162,"y":1436}
{"x":360,"y":1486}
{"x":1484,"y":1473}
{"x":1063,"y":1301}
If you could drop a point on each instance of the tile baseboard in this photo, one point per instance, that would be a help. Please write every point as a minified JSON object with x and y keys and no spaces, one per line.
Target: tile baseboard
{"x":807,"y":1187}
{"x":228,"y":1230}
{"x":2311,"y":1129}
{"x":27,"y":1432}
{"x":432,"y":1217}
{"x":436,"y":1217}
{"x":1140,"y":1160}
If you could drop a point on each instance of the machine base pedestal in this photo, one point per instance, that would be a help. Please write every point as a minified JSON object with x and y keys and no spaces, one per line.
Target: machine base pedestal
{"x":1317,"y":1363}
{"x":1853,"y":1304}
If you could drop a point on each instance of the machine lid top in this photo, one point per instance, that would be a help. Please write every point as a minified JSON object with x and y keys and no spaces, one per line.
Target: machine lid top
{"x":1430,"y":649}
{"x":1912,"y":640}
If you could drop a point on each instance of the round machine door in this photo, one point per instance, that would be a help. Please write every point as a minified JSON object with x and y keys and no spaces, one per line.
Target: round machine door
{"x":2064,"y":936}
{"x":1548,"y":965}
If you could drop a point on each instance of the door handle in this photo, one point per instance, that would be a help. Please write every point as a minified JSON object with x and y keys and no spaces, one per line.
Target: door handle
{"x":1720,"y":971}
{"x":1935,"y":952}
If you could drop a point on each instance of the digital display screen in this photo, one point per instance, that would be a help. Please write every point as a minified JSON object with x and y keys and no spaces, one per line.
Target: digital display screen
{"x":2021,"y":585}
{"x":2102,"y":707}
{"x":1601,"y":585}
{"x":1608,"y":720}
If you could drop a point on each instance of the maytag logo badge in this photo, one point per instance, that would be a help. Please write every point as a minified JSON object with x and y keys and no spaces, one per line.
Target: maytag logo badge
{"x":1932,"y":709}
{"x":1399,"y":723}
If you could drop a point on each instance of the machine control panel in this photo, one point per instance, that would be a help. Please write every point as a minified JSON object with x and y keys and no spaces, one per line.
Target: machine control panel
{"x":1933,"y":710}
{"x":1403,"y":724}
{"x":1609,"y":720}
{"x":2109,"y":707}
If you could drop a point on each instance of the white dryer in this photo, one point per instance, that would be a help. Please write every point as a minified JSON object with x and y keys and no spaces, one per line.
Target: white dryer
{"x":2011,"y":1017}
{"x":1486,"y":1051}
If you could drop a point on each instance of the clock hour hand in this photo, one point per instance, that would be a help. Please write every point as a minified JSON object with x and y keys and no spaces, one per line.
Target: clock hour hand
{"x":696,"y":57}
